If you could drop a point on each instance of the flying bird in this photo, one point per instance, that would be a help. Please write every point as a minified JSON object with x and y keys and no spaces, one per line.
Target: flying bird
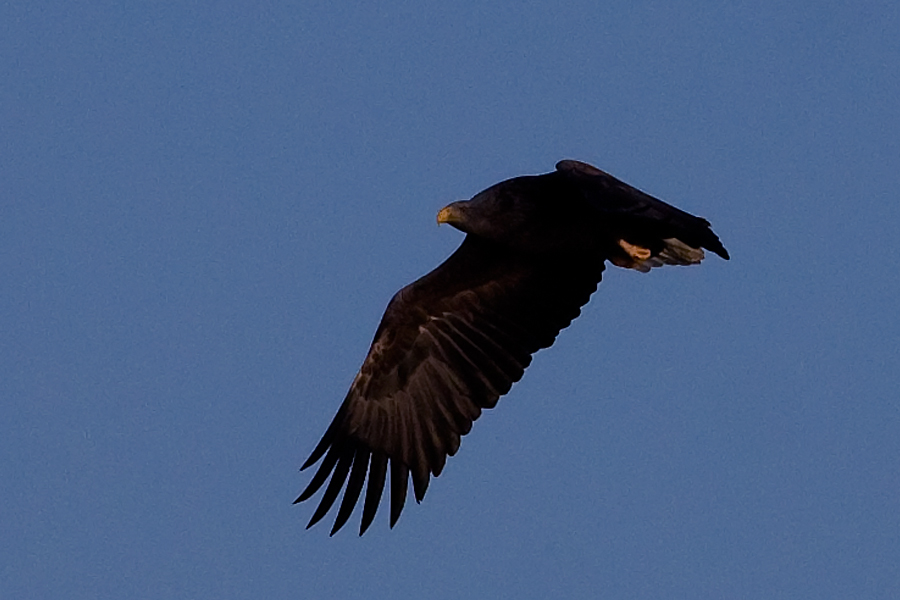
{"x":451,"y":343}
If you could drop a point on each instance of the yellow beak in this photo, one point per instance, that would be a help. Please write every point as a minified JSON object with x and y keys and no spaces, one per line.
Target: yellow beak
{"x":449,"y":214}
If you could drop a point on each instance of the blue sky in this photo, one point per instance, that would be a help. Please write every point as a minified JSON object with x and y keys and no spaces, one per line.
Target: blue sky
{"x":204,"y":210}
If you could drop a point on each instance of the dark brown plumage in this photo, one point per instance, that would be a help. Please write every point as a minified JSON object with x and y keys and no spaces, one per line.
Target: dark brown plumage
{"x":453,"y":342}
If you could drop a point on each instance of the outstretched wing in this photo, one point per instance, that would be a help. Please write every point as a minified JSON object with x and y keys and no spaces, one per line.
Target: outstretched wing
{"x":642,"y":219}
{"x":448,"y":346}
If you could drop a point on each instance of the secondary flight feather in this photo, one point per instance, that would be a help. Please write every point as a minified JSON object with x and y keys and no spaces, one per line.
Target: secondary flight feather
{"x":451,"y":343}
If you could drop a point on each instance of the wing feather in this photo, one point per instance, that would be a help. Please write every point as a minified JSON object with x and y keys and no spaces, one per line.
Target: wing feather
{"x":321,"y":474}
{"x":334,"y":486}
{"x":399,"y":482}
{"x":354,"y":487}
{"x":377,"y":473}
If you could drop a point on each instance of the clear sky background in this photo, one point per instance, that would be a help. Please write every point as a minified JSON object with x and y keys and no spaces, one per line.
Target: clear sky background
{"x":205,"y":207}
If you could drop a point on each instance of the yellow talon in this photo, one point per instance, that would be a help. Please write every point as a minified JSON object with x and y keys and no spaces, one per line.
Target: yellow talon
{"x":635,"y":252}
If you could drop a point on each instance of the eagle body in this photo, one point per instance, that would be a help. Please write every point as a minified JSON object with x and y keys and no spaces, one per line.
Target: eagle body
{"x":454,"y":341}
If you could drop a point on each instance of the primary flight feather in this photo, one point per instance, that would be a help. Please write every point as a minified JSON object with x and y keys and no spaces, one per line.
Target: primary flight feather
{"x":453,"y":342}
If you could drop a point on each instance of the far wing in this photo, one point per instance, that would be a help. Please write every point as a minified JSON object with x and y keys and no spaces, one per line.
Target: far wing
{"x":644,"y":219}
{"x":448,"y":346}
